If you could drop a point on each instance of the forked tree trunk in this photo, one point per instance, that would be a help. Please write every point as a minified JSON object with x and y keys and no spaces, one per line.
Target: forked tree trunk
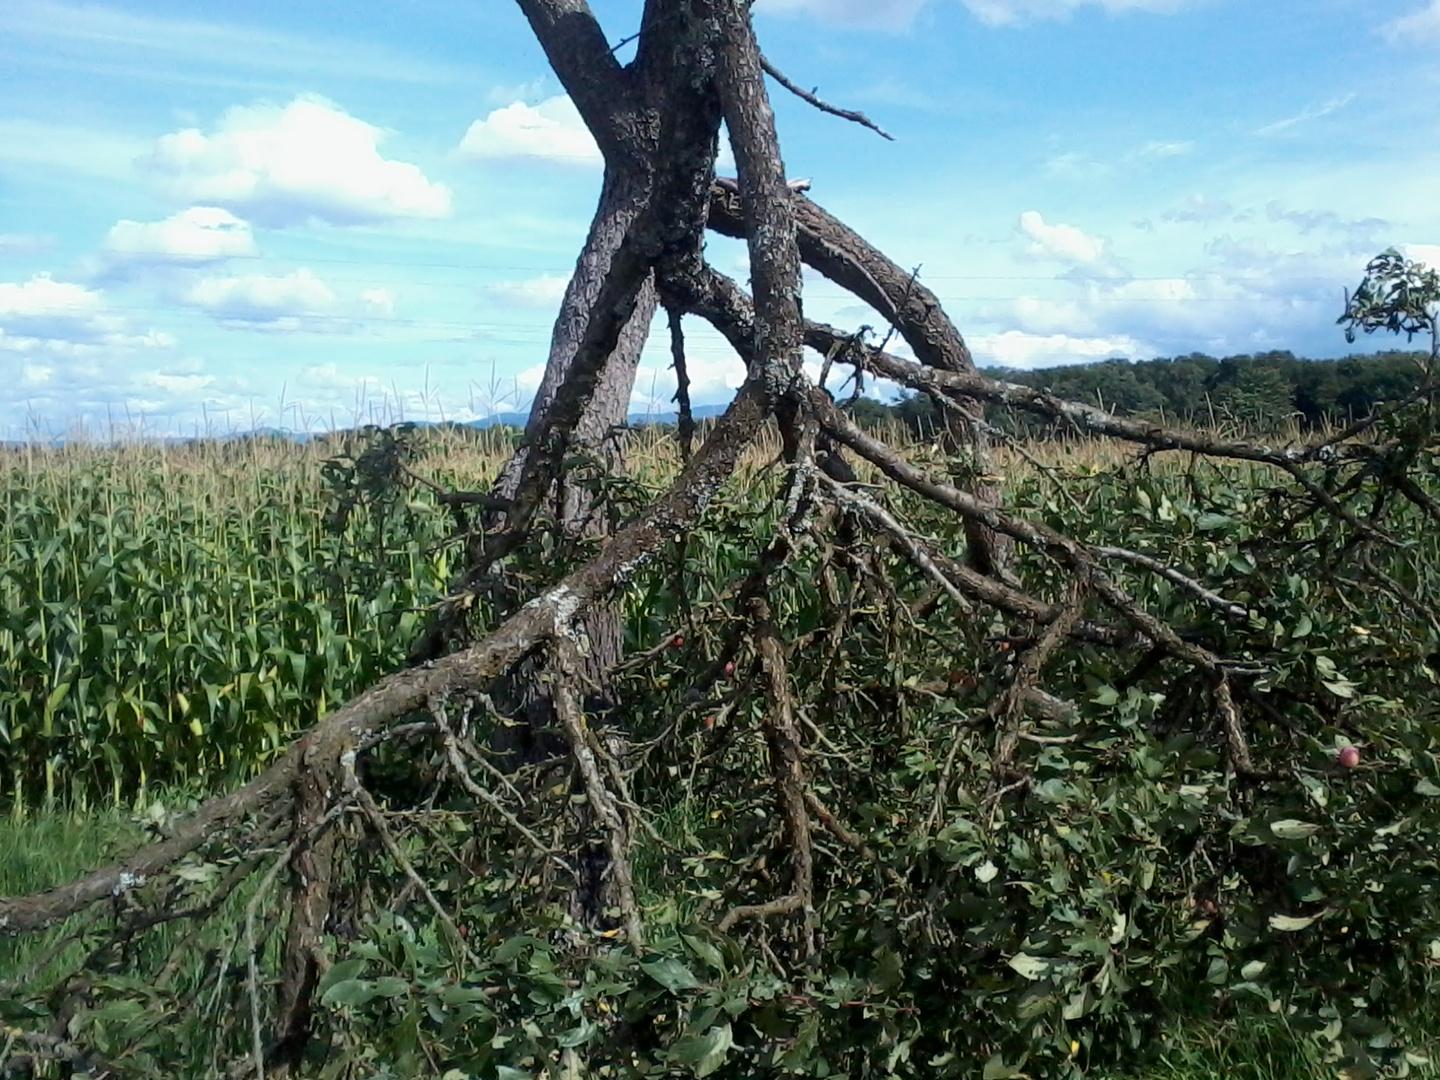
{"x":622,"y":196}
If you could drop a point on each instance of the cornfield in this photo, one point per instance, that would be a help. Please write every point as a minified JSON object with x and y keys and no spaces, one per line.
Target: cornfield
{"x":174,"y":613}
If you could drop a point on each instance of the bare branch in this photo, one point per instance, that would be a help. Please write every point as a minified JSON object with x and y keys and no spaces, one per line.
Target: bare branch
{"x":824,"y":106}
{"x":1228,"y":608}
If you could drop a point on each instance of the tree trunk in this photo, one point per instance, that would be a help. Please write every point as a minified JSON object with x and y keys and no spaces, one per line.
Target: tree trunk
{"x":622,"y":196}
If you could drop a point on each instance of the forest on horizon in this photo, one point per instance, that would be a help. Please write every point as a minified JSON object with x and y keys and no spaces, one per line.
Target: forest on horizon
{"x":1258,"y":392}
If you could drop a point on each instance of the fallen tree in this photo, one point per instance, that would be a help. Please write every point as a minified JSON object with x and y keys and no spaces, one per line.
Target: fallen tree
{"x":861,"y":878}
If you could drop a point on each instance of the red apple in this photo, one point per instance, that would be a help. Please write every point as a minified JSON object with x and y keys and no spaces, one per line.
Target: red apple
{"x":677,"y":641}
{"x":1348,"y":756}
{"x":729,"y":669}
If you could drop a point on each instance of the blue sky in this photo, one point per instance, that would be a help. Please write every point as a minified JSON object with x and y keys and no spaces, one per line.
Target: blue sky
{"x":222,"y":215}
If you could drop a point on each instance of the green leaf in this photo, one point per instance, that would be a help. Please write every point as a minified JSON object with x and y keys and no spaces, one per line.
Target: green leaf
{"x":997,"y":1069}
{"x":1106,"y":695}
{"x":1426,"y":787}
{"x":576,"y":1036}
{"x":670,"y":973}
{"x":704,"y":950}
{"x":391,"y":987}
{"x":704,"y":1053}
{"x":1289,"y":923}
{"x":1029,"y":967}
{"x":1209,"y":522}
{"x":350,"y":993}
{"x":18,"y":1010}
{"x":341,"y":972}
{"x":1291,"y":829}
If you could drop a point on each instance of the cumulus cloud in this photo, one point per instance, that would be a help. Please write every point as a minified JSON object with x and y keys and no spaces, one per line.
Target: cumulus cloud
{"x":1063,"y":242}
{"x":294,"y":301}
{"x":285,"y":166}
{"x":59,"y":339}
{"x":43,"y":314}
{"x":1249,"y":297}
{"x":550,"y":131}
{"x":1420,"y":27}
{"x":193,"y":237}
{"x":42,"y":296}
{"x":715,"y":374}
{"x":1018,"y":349}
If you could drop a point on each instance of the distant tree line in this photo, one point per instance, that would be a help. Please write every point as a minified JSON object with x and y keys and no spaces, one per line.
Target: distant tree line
{"x":1261,"y":392}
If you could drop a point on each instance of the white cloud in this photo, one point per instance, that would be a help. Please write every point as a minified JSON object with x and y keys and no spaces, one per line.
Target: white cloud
{"x":1429,"y":254}
{"x":296,"y":300}
{"x":284,"y":166}
{"x":1311,"y":112}
{"x":1018,"y":349}
{"x":1161,"y":149}
{"x":43,"y":296}
{"x":1420,"y":27}
{"x":551,"y":131}
{"x":57,"y":337}
{"x":1064,"y":242}
{"x":378,"y":303}
{"x":43,"y":313}
{"x":188,"y":383}
{"x":545,"y":291}
{"x":714,"y":375}
{"x":33,"y":375}
{"x":193,"y":237}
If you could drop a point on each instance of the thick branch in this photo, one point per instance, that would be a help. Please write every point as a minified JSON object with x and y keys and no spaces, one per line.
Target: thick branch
{"x":577,"y":50}
{"x":764,"y":196}
{"x":1086,"y":419}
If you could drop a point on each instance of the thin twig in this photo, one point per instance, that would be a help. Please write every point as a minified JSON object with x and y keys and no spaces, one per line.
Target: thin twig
{"x":824,"y":106}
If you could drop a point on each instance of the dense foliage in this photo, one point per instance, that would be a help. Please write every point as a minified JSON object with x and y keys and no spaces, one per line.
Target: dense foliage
{"x":1030,"y":896}
{"x":1261,"y":392}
